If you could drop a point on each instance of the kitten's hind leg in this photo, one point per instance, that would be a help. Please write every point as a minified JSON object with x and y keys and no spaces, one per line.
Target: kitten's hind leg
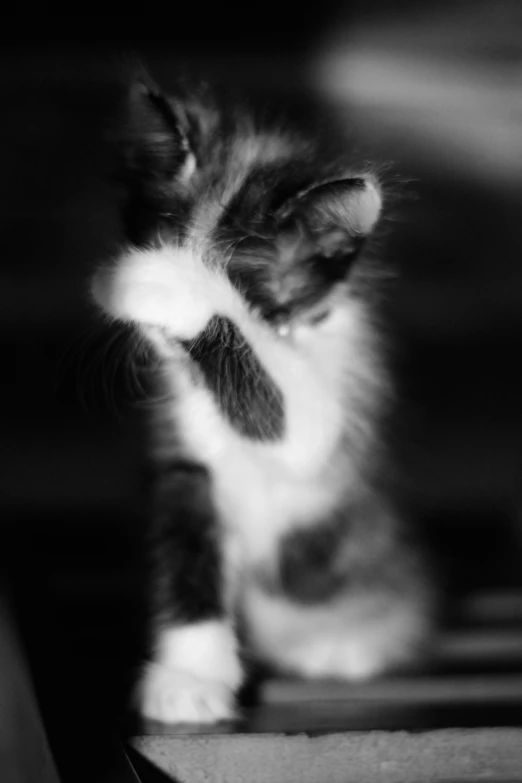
{"x":194,"y":671}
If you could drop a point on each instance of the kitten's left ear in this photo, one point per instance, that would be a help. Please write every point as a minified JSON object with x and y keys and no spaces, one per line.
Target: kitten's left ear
{"x":337,"y":214}
{"x":157,"y":149}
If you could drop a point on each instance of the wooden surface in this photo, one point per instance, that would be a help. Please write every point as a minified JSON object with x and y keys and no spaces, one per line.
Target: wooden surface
{"x":459,"y":718}
{"x":336,"y":732}
{"x":350,"y":757}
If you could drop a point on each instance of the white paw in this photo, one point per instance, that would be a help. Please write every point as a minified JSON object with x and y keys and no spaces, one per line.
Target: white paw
{"x":368,"y":649}
{"x":355,"y":662}
{"x":168,"y":287}
{"x":194,"y":676}
{"x":351,"y":640}
{"x":336,"y":658}
{"x":176,"y":696}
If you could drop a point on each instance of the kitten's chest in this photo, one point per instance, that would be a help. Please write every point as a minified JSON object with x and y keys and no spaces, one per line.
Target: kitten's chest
{"x":280,"y":416}
{"x":261,"y":487}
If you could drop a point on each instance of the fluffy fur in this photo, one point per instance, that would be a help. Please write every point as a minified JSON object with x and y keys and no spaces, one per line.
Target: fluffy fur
{"x":249,"y":241}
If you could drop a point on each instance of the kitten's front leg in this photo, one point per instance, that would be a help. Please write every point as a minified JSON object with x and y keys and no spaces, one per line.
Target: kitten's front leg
{"x":194,"y":670}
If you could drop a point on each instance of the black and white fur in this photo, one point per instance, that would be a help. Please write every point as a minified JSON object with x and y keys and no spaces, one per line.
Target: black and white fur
{"x":248,"y":273}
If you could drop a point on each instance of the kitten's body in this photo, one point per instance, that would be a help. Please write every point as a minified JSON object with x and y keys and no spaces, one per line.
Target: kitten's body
{"x":251,"y":284}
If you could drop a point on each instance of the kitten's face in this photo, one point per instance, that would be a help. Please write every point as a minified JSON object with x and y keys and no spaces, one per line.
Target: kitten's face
{"x":265,"y":206}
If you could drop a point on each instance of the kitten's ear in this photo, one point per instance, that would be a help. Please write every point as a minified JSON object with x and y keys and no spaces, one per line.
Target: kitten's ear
{"x":157,"y":148}
{"x":338,"y":215}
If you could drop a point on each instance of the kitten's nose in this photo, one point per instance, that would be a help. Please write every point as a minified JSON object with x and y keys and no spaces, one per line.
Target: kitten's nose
{"x":279,"y":320}
{"x":278,"y":316}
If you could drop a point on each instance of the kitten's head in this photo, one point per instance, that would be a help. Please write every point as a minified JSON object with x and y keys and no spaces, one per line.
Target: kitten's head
{"x":281,"y":214}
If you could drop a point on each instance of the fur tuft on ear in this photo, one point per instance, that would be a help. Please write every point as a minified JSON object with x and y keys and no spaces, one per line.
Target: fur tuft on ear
{"x":337,"y":214}
{"x":350,"y":204}
{"x":156,"y":145}
{"x":156,"y":163}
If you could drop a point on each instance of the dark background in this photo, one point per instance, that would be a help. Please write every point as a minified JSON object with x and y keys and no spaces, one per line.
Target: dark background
{"x":435,"y":91}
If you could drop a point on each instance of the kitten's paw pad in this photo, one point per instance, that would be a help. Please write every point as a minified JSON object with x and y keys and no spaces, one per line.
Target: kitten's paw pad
{"x":177,"y":696}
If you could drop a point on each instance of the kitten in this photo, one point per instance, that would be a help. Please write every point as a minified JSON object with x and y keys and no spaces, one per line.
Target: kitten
{"x":247,"y":270}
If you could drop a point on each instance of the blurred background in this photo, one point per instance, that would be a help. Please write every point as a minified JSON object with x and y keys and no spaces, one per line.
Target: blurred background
{"x":433,"y":90}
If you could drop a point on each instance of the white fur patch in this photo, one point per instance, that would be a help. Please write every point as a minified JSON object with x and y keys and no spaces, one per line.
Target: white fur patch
{"x":194,"y":675}
{"x":168,"y":287}
{"x":176,"y":696}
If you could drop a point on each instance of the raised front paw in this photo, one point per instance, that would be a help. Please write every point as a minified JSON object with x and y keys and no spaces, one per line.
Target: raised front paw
{"x":177,"y":696}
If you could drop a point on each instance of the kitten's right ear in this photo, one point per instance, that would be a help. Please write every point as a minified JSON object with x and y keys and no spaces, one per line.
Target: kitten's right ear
{"x":157,"y":150}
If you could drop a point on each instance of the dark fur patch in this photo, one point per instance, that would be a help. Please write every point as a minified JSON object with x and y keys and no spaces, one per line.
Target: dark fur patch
{"x":153,"y":147}
{"x":282,"y":294}
{"x":262,"y":194}
{"x":312,"y":561}
{"x":246,"y":393}
{"x":184,"y":546}
{"x":357,"y":545}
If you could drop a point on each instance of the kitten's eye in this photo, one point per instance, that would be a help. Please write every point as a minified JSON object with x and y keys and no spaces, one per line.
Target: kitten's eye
{"x":318,"y":318}
{"x":284,"y":328}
